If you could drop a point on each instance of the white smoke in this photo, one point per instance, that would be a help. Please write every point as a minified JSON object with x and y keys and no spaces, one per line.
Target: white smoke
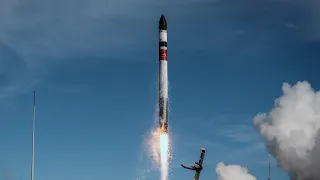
{"x":291,"y":131}
{"x":233,"y":172}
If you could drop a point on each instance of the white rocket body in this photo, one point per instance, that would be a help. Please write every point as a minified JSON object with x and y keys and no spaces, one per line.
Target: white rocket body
{"x":163,"y":76}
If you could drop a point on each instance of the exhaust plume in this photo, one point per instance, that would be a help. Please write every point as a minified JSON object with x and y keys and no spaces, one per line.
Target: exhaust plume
{"x":291,"y":131}
{"x":232,"y":172}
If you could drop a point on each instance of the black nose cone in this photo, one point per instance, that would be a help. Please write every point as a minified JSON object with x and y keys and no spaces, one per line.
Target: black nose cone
{"x":163,"y":23}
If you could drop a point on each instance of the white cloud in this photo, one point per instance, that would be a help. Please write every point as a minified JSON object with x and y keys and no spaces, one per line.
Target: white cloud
{"x":231,"y":172}
{"x":290,"y":26}
{"x":239,"y":133}
{"x":291,"y":130}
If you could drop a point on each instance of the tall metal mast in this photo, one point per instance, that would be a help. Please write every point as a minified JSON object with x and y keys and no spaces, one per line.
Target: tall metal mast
{"x":269,"y":167}
{"x":33,"y":129}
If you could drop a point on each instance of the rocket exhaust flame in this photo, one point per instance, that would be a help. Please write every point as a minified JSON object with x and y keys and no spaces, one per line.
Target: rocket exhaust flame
{"x":164,"y":152}
{"x":159,"y":149}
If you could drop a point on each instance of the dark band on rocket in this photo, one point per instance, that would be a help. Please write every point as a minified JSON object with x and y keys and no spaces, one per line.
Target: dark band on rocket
{"x":162,"y":43}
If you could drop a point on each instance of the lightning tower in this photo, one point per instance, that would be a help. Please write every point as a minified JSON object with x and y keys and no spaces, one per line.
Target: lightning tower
{"x":33,"y":129}
{"x":269,"y":168}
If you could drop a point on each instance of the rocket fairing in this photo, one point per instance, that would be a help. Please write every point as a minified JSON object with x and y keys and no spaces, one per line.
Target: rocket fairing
{"x":163,"y":76}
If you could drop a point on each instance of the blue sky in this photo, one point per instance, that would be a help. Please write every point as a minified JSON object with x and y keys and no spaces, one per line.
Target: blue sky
{"x":94,"y":65}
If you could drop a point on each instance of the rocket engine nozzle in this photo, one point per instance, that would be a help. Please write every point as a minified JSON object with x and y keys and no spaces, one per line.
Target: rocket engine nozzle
{"x":163,"y":127}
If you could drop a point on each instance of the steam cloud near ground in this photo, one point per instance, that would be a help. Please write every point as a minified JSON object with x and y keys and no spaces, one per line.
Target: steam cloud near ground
{"x":231,"y":172}
{"x":291,"y":133}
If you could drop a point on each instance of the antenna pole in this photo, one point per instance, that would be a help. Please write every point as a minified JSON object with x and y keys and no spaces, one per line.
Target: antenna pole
{"x":269,"y":167}
{"x":33,"y":129}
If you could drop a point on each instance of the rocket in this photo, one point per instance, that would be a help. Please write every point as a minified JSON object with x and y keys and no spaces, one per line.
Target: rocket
{"x":163,"y":76}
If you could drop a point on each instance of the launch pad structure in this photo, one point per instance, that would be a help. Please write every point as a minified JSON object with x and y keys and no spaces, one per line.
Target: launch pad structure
{"x":198,"y":167}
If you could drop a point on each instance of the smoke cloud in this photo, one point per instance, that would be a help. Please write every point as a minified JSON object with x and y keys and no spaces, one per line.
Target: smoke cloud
{"x":291,"y":131}
{"x":232,"y":172}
